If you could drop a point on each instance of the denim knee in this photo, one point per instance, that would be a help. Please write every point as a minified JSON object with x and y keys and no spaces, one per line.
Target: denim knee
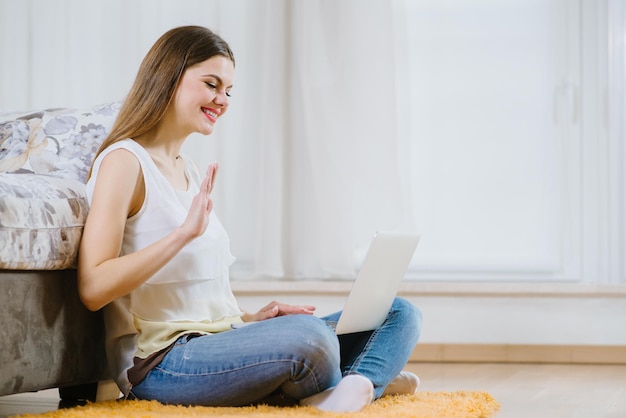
{"x":409,"y":315}
{"x":315,"y":346}
{"x":314,"y":339}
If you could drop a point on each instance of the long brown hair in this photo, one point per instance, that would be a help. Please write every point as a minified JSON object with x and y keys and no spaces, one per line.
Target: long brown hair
{"x":159,"y":75}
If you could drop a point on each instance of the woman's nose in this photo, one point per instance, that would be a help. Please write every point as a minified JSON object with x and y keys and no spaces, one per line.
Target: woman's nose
{"x":221,"y":99}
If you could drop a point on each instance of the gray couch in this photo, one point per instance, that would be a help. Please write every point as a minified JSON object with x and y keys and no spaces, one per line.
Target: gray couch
{"x":48,"y":338}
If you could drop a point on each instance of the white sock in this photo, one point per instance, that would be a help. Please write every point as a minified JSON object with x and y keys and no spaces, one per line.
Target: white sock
{"x":406,"y":383}
{"x":353,"y":393}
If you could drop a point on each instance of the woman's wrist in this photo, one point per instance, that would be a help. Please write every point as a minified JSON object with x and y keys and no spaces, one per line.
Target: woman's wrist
{"x":182,"y":236}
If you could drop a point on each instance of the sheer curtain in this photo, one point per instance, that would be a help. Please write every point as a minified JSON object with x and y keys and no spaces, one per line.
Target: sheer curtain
{"x":325,"y":156}
{"x":309,"y":149}
{"x":617,"y":133}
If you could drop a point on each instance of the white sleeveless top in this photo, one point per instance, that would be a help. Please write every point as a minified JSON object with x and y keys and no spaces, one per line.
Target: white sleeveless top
{"x":191,"y":293}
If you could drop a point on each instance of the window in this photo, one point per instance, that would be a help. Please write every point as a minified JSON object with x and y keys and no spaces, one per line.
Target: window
{"x":507,"y":139}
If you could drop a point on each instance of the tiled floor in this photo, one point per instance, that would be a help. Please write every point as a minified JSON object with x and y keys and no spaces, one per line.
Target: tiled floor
{"x":523,"y":390}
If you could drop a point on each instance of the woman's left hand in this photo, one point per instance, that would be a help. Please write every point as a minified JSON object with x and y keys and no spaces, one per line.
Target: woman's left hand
{"x":274,"y":309}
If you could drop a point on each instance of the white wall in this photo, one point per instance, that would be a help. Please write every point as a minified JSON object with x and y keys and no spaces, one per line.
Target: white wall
{"x":482,"y":314}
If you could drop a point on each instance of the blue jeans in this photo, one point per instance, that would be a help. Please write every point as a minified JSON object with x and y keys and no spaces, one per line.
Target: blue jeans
{"x":295,"y":355}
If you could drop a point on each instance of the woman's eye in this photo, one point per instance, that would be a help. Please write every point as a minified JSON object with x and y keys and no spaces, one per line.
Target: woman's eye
{"x":214,"y":87}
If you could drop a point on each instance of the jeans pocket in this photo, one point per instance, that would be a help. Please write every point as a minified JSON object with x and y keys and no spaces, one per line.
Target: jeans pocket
{"x":186,"y":338}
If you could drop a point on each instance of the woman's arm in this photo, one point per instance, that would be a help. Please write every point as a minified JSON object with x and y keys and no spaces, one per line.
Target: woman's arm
{"x":118,"y":193}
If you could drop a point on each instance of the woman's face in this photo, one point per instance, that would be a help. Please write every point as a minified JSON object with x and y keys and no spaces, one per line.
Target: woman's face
{"x":203,"y":94}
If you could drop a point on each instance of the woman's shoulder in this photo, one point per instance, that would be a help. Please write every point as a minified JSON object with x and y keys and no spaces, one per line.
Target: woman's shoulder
{"x":119,"y":164}
{"x":115,"y":170}
{"x":125,"y":149}
{"x":122,"y":155}
{"x":127,"y":144}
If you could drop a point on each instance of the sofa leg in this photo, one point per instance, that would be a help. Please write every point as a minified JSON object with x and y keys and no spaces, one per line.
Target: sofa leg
{"x":91,"y":392}
{"x":77,"y":395}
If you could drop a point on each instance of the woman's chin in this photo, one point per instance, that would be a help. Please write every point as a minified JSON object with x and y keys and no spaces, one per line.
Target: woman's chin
{"x":206,"y":130}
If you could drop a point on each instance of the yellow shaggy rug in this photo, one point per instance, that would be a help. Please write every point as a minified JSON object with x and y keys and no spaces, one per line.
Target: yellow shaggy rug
{"x":460,"y":404}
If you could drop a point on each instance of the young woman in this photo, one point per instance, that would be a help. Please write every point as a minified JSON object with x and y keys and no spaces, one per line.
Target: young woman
{"x":156,"y":258}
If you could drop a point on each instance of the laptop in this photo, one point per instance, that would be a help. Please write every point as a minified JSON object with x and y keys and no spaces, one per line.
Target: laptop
{"x":377,"y":282}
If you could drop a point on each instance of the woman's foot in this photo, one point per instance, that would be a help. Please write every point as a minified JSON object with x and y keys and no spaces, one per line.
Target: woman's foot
{"x":406,"y":383}
{"x":353,"y":393}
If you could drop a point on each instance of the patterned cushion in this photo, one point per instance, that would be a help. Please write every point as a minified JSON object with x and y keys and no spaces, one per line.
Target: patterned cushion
{"x":58,"y":142}
{"x":41,"y":221}
{"x":44,"y":160}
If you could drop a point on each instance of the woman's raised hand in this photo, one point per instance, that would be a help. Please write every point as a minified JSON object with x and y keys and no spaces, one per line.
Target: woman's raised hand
{"x":198,"y":217}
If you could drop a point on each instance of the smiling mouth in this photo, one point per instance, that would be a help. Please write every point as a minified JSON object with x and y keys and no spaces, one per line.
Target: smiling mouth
{"x":211,"y":114}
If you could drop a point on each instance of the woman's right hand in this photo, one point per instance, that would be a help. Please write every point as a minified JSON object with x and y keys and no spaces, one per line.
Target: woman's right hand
{"x":197,"y":219}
